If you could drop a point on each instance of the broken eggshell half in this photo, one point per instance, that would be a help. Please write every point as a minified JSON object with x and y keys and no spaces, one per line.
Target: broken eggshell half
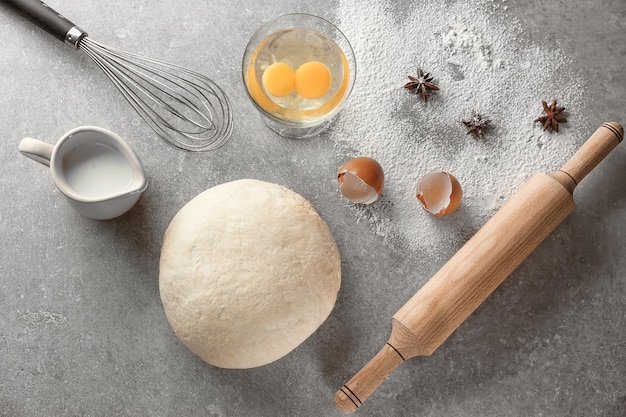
{"x":439,"y":192}
{"x":361,"y":180}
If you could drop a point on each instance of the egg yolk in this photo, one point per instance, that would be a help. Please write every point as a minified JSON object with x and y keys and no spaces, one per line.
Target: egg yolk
{"x":278,"y":79}
{"x":313,"y":80}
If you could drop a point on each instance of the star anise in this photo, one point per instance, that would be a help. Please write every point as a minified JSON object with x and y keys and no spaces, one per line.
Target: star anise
{"x":553,"y":116}
{"x":477,"y":125}
{"x":421,"y":84}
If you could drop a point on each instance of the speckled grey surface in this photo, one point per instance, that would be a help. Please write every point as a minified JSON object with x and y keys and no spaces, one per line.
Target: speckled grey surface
{"x":82,"y":330}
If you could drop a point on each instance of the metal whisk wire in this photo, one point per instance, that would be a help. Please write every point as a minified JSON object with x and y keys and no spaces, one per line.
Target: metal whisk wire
{"x":186,"y":109}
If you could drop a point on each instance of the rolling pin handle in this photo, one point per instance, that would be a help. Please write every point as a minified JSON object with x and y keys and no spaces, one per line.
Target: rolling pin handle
{"x":351,"y":395}
{"x":593,"y":151}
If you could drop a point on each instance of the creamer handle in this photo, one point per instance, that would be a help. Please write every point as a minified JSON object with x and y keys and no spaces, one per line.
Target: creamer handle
{"x":36,"y":150}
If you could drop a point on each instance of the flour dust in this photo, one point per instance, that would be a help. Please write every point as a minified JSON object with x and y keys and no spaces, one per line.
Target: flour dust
{"x":482,"y":61}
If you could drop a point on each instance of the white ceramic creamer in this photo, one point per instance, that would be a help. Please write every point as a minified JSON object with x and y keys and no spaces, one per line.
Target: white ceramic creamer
{"x":94,"y":168}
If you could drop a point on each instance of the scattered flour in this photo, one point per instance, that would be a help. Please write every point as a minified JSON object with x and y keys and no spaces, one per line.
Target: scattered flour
{"x":483,"y":61}
{"x":464,"y":41}
{"x":34,"y":319}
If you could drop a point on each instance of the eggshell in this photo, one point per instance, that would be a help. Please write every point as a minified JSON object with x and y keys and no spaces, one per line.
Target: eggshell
{"x":439,"y":193}
{"x":361,"y":180}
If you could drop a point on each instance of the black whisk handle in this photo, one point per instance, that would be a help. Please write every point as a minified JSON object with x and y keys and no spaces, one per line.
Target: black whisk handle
{"x":48,"y":19}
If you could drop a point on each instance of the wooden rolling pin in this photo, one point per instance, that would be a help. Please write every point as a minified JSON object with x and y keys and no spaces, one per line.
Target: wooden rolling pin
{"x":467,"y":279}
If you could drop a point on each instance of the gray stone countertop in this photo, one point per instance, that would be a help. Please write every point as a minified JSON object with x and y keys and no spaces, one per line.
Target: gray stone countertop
{"x":82,"y":328}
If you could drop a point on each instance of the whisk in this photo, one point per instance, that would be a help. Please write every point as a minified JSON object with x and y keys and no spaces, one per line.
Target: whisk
{"x":186,"y":109}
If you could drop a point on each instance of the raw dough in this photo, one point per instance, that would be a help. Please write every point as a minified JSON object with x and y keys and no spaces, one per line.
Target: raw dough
{"x":248,"y":271}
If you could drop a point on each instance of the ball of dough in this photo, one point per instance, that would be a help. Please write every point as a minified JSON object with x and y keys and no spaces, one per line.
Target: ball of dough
{"x":248,"y":271}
